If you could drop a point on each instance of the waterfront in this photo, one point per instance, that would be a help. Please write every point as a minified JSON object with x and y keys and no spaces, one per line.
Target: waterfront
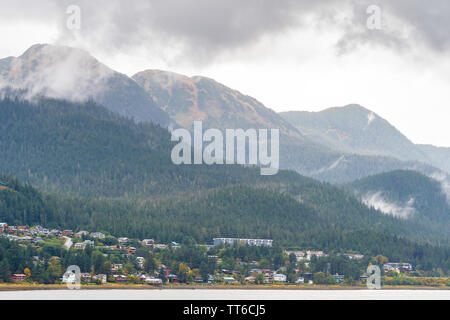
{"x":227,"y":294}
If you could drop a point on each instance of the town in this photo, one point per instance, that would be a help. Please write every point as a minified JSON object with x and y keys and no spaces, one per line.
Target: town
{"x":46,"y":253}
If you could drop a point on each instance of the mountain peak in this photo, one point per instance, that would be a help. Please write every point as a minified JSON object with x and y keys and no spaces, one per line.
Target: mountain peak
{"x":64,"y":72}
{"x":187,"y":99}
{"x":353,"y":128}
{"x":56,"y":51}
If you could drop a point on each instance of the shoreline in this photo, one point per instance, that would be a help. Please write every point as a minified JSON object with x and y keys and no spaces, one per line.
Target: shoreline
{"x":30,"y":287}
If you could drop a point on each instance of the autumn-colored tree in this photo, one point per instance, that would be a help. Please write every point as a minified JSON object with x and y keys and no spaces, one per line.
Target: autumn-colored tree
{"x":54,"y":268}
{"x":27,"y":272}
{"x":380,"y":259}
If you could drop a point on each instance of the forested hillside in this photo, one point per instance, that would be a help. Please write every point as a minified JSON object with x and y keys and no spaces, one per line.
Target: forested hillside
{"x":233,"y":211}
{"x":426,"y":198}
{"x":86,"y":150}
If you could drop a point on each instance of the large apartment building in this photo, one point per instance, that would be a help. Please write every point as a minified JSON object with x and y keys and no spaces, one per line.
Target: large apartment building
{"x":250,"y":242}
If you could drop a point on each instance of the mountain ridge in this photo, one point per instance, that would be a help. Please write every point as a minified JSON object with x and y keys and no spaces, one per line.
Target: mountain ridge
{"x":71,"y":73}
{"x":358,"y":130}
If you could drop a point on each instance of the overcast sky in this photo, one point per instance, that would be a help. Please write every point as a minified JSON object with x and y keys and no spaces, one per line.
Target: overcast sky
{"x":290,"y":55}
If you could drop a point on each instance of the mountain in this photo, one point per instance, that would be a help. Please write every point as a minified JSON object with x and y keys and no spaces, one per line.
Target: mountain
{"x":439,"y":155}
{"x":186,"y":99}
{"x":355,"y":129}
{"x":73,"y":74}
{"x":171,"y":99}
{"x":101,"y":171}
{"x":84,"y":149}
{"x":407,"y":194}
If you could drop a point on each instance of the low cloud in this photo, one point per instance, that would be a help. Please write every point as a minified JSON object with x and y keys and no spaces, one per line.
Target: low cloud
{"x":445,"y":183}
{"x":57,"y":72}
{"x":377,"y":201}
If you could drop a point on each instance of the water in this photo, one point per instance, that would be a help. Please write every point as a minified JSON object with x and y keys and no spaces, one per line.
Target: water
{"x":230,"y":294}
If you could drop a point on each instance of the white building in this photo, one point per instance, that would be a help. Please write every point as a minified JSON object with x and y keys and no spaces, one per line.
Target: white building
{"x":278,"y":277}
{"x":148,"y":242}
{"x":354,"y":256}
{"x":318,"y":254}
{"x":97,"y":235}
{"x":123,"y":240}
{"x":101,"y":277}
{"x":81,"y":233}
{"x":299,"y":255}
{"x":300,"y":280}
{"x":80,"y":246}
{"x":140,"y":261}
{"x":249,"y":242}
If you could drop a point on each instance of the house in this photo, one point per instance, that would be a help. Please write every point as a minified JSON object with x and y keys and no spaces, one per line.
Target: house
{"x":278,"y":277}
{"x":354,"y":256}
{"x":300,"y":280}
{"x":153,"y":281}
{"x":299,"y":255}
{"x":148,"y":243}
{"x":18,"y":277}
{"x":86,"y":277}
{"x":250,"y":279}
{"x":115,"y":267}
{"x":67,"y":233}
{"x":229,"y":280}
{"x":397,"y":266}
{"x":114,"y":247}
{"x":22,"y":228}
{"x":160,"y":246}
{"x":120,"y":278}
{"x":318,"y":254}
{"x":142,"y":277}
{"x":100,"y":277}
{"x":173,"y":278}
{"x":97,"y":235}
{"x":69,"y":277}
{"x":81,"y":233}
{"x":55,"y":233}
{"x":140,"y":261}
{"x":89,"y":242}
{"x":267,"y":272}
{"x":123,"y":240}
{"x":39,"y":230}
{"x":79,"y":246}
{"x":131,"y":250}
{"x":3,"y":226}
{"x":338,"y":278}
